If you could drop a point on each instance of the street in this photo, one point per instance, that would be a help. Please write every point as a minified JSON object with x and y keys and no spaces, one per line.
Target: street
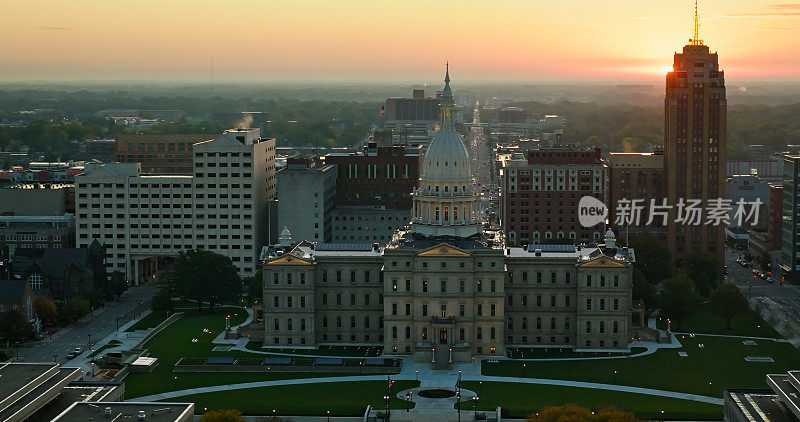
{"x":91,"y":328}
{"x":482,"y":158}
{"x":779,"y":301}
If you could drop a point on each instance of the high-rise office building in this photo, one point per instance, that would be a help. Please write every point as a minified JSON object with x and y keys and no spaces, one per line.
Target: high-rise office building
{"x":222,"y":206}
{"x":791,"y":215}
{"x":695,"y":116}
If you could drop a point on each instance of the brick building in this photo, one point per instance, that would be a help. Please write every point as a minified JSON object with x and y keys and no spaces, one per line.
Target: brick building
{"x":159,"y":153}
{"x":540,"y":194}
{"x":636,"y":176}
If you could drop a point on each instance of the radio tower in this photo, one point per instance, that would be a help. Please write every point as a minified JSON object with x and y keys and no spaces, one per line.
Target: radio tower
{"x":696,"y":39}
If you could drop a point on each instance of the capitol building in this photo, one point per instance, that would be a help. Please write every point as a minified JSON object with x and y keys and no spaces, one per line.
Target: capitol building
{"x":445,"y":289}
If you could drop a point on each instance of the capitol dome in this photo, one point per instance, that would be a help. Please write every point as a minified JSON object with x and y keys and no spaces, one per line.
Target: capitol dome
{"x":446,"y":203}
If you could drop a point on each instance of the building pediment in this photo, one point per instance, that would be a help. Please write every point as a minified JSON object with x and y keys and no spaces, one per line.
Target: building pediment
{"x":288,"y":259}
{"x":443,"y":249}
{"x":603,"y":261}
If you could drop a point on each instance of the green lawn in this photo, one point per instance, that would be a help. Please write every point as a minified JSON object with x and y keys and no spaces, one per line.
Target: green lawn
{"x":705,"y":321}
{"x":151,"y":320}
{"x":341,"y":398}
{"x":367,"y":351}
{"x":109,"y":345}
{"x":175,"y":342}
{"x":721,"y":363}
{"x":521,"y":400}
{"x":555,"y":353}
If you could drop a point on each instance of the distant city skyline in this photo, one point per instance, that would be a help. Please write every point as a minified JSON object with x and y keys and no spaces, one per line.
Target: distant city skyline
{"x":348,"y":40}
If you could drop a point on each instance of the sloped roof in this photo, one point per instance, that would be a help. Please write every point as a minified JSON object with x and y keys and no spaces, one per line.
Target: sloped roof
{"x":12,"y":291}
{"x":54,"y":262}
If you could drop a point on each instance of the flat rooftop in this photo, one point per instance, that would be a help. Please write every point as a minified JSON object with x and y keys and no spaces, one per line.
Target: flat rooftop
{"x":39,"y":384}
{"x":760,"y":406}
{"x":127,"y":411}
{"x":14,"y":377}
{"x":78,"y":392}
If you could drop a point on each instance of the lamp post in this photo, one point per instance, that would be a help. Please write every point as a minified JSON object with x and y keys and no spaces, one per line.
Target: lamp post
{"x":475,"y":406}
{"x":408,"y":401}
{"x":329,"y":415}
{"x":386,"y":399}
{"x":524,"y":369}
{"x":615,"y":376}
{"x":709,"y":388}
{"x":417,"y":374}
{"x":480,"y":387}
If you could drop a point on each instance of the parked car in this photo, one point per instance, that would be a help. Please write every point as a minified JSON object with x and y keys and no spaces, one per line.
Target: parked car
{"x":71,"y":355}
{"x":77,"y":351}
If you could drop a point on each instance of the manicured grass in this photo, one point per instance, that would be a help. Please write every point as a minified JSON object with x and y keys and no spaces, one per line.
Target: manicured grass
{"x":721,"y":362}
{"x":555,"y":353}
{"x":706,"y":321}
{"x":366,"y":351}
{"x":520,"y":400}
{"x":109,"y":345}
{"x":150,"y":320}
{"x":341,"y":398}
{"x":175,"y":342}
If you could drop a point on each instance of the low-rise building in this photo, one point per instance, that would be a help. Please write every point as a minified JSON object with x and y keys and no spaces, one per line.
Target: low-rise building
{"x":445,"y":290}
{"x":35,"y":232}
{"x":17,"y":296}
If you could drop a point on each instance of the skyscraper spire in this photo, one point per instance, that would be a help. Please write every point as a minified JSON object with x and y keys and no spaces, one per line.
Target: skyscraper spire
{"x":696,"y":38}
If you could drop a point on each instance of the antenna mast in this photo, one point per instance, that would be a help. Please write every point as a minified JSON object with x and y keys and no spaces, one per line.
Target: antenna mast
{"x":696,"y":39}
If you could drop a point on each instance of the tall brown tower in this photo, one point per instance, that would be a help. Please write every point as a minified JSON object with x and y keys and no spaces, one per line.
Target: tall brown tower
{"x":695,"y":121}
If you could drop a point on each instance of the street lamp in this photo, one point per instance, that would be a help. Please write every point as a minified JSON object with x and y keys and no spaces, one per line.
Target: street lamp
{"x":329,"y":415}
{"x":417,"y":374}
{"x":709,"y":388}
{"x":615,"y":376}
{"x":408,"y":401}
{"x":475,"y":406}
{"x":480,"y":387}
{"x":524,"y":369}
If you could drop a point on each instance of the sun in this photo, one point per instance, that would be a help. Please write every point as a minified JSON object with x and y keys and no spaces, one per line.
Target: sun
{"x":666,"y":69}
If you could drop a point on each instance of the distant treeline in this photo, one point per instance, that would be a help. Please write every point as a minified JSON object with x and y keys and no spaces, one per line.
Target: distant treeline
{"x":632,"y":128}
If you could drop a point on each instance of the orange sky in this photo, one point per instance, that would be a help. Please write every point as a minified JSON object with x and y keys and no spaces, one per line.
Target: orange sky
{"x":502,"y":40}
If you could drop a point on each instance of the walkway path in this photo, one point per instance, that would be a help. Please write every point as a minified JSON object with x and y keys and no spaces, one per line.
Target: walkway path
{"x":779,"y":340}
{"x":438,"y":382}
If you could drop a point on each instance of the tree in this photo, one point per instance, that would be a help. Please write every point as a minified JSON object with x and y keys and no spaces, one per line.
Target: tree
{"x":15,"y":327}
{"x":222,"y":415}
{"x":76,"y":308}
{"x":728,"y":301}
{"x":678,"y":298}
{"x":255,"y":286}
{"x":642,"y":289}
{"x":574,"y":413}
{"x":701,"y":267}
{"x":117,"y":284}
{"x":206,"y":276}
{"x":46,"y":310}
{"x":652,"y":257}
{"x":162,"y":301}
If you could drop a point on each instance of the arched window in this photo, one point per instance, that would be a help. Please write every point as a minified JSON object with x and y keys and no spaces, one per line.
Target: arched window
{"x":588,"y":327}
{"x":616,"y":327}
{"x":424,"y":333}
{"x":436,"y":213}
{"x":455,"y":213}
{"x":303,"y":324}
{"x":446,"y":212}
{"x":289,"y":324}
{"x":461,"y":334}
{"x":479,"y":333}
